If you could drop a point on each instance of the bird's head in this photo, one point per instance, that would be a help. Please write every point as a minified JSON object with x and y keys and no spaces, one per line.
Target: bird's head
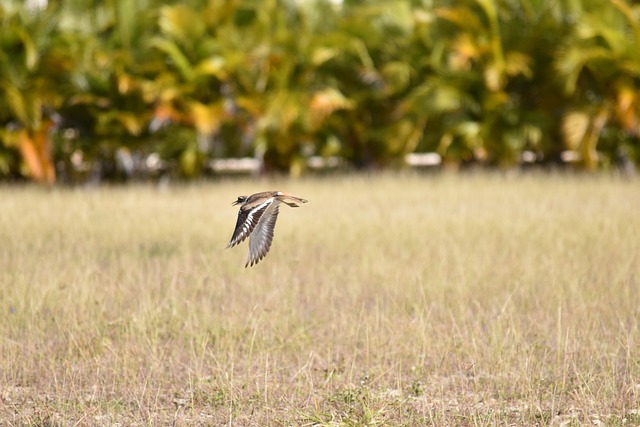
{"x":241,"y":199}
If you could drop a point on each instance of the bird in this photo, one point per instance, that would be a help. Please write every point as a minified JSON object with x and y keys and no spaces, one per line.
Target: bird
{"x":257,"y":218}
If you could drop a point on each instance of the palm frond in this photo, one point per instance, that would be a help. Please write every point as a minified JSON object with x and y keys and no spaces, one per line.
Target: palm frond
{"x":175,"y":54}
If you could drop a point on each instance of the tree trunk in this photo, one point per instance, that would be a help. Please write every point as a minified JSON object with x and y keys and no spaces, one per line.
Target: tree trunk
{"x":590,"y":140}
{"x":35,"y":148}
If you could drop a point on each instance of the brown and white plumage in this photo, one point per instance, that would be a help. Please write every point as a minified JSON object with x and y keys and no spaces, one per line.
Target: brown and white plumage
{"x":257,"y":219}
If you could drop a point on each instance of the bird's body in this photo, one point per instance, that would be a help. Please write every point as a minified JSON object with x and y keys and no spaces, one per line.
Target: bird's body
{"x":257,"y":218}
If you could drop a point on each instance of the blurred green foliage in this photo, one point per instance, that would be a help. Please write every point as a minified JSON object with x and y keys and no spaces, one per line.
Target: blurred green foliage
{"x":104,"y":89}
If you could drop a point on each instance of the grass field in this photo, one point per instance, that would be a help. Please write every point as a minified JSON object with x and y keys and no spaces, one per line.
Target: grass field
{"x":385,"y":301}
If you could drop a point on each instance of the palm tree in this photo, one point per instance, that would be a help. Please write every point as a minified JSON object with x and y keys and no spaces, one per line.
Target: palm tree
{"x":193,"y":93}
{"x":34,"y":62}
{"x":107,"y":111}
{"x":473,"y":93}
{"x":600,"y":68}
{"x":369,"y":64}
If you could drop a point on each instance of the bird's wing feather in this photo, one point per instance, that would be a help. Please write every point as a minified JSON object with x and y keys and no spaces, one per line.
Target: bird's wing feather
{"x":247,"y":221}
{"x":262,"y":236}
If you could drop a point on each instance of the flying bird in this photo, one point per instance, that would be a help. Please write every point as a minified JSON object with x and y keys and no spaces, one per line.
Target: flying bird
{"x":257,"y":218}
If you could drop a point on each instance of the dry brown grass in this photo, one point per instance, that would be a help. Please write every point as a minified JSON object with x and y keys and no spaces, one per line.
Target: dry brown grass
{"x":387,"y":300}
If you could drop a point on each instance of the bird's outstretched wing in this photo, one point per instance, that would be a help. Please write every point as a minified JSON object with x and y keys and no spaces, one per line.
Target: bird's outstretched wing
{"x":247,"y":220}
{"x":262,"y":236}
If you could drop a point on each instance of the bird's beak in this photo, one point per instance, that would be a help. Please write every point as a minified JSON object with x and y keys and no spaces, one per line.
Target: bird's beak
{"x":235,"y":203}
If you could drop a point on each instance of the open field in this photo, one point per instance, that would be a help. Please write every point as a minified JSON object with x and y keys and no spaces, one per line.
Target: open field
{"x":386,"y":300}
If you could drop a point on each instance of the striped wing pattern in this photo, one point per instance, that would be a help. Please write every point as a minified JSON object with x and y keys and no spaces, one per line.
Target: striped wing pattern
{"x":262,"y":236}
{"x":248,"y":219}
{"x":257,"y":220}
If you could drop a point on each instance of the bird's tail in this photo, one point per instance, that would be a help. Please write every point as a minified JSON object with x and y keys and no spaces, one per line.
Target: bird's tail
{"x":291,"y":200}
